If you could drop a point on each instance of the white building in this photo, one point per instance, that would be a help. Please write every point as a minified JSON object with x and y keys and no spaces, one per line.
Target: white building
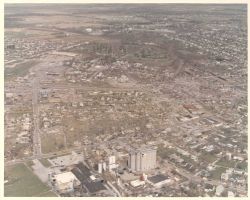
{"x":137,"y":183}
{"x":104,"y":166}
{"x":111,"y":160}
{"x":65,"y":182}
{"x":111,"y":163}
{"x":99,"y":168}
{"x":142,"y":159}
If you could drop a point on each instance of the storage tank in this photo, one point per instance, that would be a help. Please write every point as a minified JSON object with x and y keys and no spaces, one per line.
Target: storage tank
{"x":104,"y":166}
{"x":111,"y":160}
{"x":100,"y":168}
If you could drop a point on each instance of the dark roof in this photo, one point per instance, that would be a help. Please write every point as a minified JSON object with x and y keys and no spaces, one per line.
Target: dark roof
{"x":94,"y":187}
{"x":78,"y":174}
{"x":81,"y":172}
{"x":84,"y":170}
{"x":157,"y":178}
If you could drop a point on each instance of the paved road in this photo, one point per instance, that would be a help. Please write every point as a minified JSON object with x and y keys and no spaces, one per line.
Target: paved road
{"x":36,"y":133}
{"x":88,"y":88}
{"x":48,"y":155}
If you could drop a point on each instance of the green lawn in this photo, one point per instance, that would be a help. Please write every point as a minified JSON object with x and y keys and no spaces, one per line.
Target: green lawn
{"x":22,"y":182}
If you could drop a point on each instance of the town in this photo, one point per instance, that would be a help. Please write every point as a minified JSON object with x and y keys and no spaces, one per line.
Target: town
{"x":125,"y":100}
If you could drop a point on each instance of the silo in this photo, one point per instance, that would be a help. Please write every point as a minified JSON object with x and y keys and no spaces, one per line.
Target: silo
{"x":104,"y":166}
{"x":100,"y":168}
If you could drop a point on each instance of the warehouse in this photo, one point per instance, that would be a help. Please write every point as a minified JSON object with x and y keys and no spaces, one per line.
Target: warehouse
{"x":65,"y":182}
{"x":158,"y":180}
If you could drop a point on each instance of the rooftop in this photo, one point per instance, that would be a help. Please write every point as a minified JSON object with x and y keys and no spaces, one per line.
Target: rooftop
{"x":65,"y":177}
{"x":94,"y":187}
{"x":157,"y":178}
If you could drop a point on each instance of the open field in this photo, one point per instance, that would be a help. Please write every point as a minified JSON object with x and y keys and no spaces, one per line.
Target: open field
{"x":52,"y":143}
{"x":21,"y":69}
{"x":22,"y":182}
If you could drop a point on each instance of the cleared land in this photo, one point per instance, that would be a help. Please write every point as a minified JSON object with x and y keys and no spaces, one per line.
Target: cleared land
{"x":20,"y":70}
{"x":22,"y":183}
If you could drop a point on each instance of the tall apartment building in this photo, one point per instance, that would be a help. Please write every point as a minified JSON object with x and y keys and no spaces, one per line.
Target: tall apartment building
{"x":143,"y":159}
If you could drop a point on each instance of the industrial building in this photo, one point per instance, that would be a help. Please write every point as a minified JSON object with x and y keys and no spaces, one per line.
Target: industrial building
{"x":111,"y":162}
{"x":65,"y":182}
{"x":137,"y":183}
{"x":87,"y":180}
{"x":158,"y":180}
{"x":143,"y":159}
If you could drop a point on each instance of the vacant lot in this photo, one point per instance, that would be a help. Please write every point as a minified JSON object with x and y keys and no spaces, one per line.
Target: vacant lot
{"x":21,"y":69}
{"x":52,"y":143}
{"x":23,"y":183}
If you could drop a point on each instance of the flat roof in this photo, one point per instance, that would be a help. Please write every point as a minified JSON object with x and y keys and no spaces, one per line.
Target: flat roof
{"x":81,"y":172}
{"x":65,"y":177}
{"x":157,"y":178}
{"x":94,"y":187}
{"x":84,"y":170}
{"x":143,"y":150}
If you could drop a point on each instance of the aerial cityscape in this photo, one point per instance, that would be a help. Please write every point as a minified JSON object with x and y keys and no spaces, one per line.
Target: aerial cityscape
{"x":125,"y":100}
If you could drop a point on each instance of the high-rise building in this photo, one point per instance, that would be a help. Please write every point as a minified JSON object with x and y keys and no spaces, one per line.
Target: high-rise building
{"x":143,"y":159}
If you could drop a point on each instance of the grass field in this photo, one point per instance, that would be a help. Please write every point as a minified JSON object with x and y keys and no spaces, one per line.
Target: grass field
{"x":23,"y":183}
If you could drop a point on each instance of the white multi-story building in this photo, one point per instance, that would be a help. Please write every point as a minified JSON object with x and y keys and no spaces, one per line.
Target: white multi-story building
{"x":143,"y":159}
